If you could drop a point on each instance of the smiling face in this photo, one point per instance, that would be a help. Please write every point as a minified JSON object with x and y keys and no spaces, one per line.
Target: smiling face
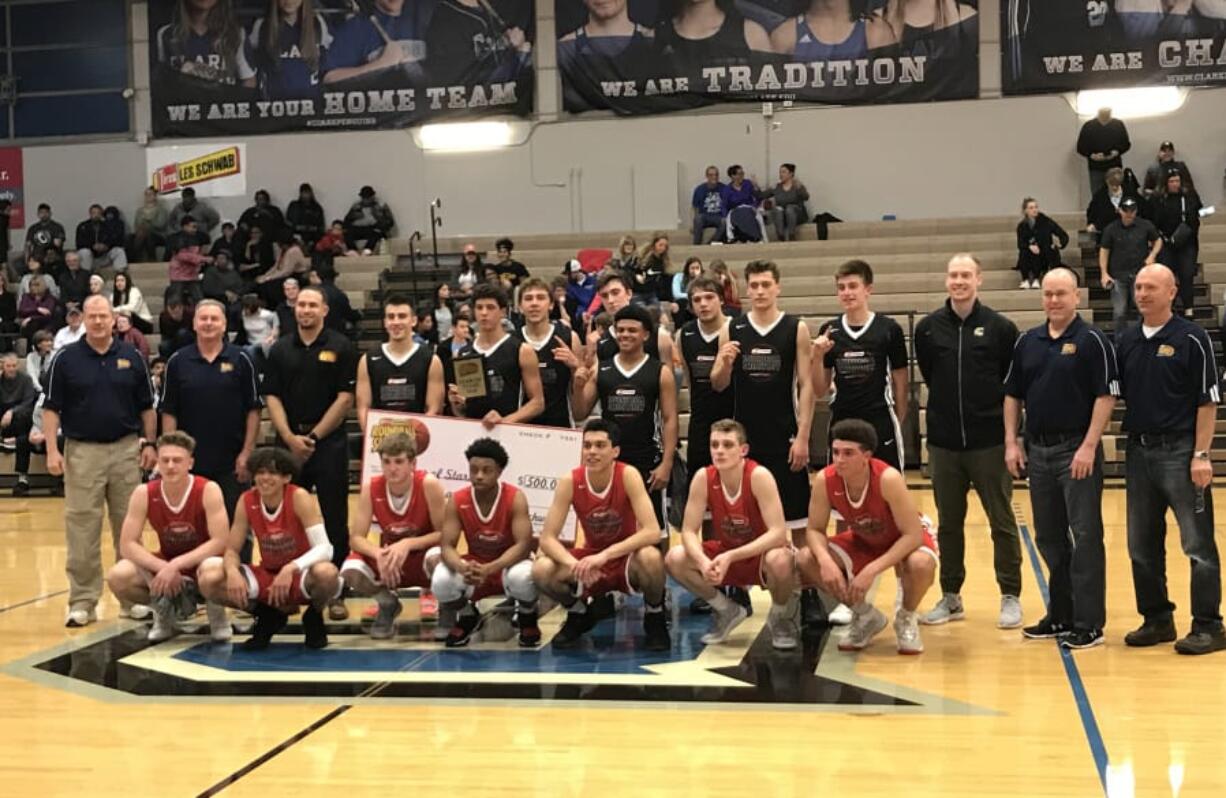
{"x":398,"y":322}
{"x":853,"y":292}
{"x":209,"y":323}
{"x":534,"y":304}
{"x":962,"y":279}
{"x":309,"y":309}
{"x":271,"y":486}
{"x":1154,"y":291}
{"x":599,"y":451}
{"x":1060,"y":296}
{"x":631,"y":336}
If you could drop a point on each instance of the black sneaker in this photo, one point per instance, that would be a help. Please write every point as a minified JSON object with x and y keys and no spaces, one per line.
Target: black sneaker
{"x":741,"y":596}
{"x":1202,"y":642}
{"x":1045,"y":630}
{"x":812,"y":613}
{"x":529,"y":632}
{"x":268,"y":621}
{"x":655,"y":629}
{"x":602,"y":607}
{"x":1151,"y":633}
{"x":576,"y":626}
{"x":1082,"y":638}
{"x":699,"y":606}
{"x":316,"y":636}
{"x":465,"y":623}
{"x":22,"y":488}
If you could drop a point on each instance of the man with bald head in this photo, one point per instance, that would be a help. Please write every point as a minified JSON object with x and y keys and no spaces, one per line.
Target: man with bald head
{"x":1171,"y":389}
{"x":1064,"y":374}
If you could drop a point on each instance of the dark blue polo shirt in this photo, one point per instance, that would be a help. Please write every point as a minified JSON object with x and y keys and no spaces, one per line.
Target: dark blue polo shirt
{"x":210,"y":401}
{"x":1059,"y":379}
{"x":306,"y":378}
{"x":1167,"y":377}
{"x":99,"y":396}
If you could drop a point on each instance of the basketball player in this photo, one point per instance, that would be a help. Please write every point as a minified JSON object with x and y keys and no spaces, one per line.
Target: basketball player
{"x":493,"y":517}
{"x":512,"y":374}
{"x":295,"y":565}
{"x":556,"y":346}
{"x":188,"y":514}
{"x":751,"y":545}
{"x":614,"y":295}
{"x":639,"y":394}
{"x":620,"y":536}
{"x":406,"y":505}
{"x":698,"y":342}
{"x":882,"y":530}
{"x":402,"y":375}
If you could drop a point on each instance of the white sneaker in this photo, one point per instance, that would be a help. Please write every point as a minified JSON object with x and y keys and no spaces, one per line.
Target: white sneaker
{"x":949,"y":608}
{"x":864,"y":627}
{"x":785,"y":631}
{"x":80,"y":616}
{"x":1034,"y":283}
{"x":163,"y":628}
{"x":219,"y":625}
{"x":906,"y":629}
{"x":1010,"y":613}
{"x":367,"y":252}
{"x":840,"y":615}
{"x":723,"y":622}
{"x":136,"y":612}
{"x":242,"y":622}
{"x":1024,"y":284}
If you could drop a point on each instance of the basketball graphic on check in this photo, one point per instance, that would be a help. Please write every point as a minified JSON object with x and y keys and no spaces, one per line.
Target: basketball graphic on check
{"x":421,"y":435}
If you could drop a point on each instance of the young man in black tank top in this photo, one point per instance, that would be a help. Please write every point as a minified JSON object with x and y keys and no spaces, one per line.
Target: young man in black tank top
{"x":698,"y":343}
{"x":556,"y":347}
{"x":639,"y":393}
{"x":512,"y":376}
{"x":614,"y":295}
{"x":401,"y":375}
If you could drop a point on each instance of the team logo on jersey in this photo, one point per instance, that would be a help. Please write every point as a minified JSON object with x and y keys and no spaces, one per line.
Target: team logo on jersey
{"x":1069,"y":349}
{"x":123,"y":363}
{"x":179,"y":534}
{"x":327,"y":356}
{"x":602,"y":525}
{"x":226,"y":368}
{"x":394,"y":532}
{"x":736,"y":527}
{"x":977,"y":332}
{"x":867,"y":526}
{"x":1166,"y":350}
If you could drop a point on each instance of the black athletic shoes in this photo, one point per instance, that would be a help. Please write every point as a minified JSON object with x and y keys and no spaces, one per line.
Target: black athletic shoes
{"x":268,"y":621}
{"x":576,"y":626}
{"x":465,"y":623}
{"x":655,"y":629}
{"x":316,"y":636}
{"x":1045,"y":629}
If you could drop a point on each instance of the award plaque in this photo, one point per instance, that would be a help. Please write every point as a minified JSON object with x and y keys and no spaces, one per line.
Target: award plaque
{"x":470,"y":376}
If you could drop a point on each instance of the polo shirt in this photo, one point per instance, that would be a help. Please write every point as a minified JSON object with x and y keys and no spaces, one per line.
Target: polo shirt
{"x":99,"y":396}
{"x":306,"y":378}
{"x":1129,"y":246}
{"x":1165,"y":378}
{"x":1060,"y":378}
{"x":210,"y":401}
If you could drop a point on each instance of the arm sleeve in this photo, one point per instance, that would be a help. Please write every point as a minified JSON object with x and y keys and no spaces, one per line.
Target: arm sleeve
{"x":170,"y":387}
{"x":143,"y":390}
{"x":1014,"y":385}
{"x":1104,"y":373}
{"x":1125,"y":143}
{"x":272,"y":373}
{"x":898,"y":348}
{"x":1008,"y":343}
{"x":320,"y":551}
{"x":923,"y":351}
{"x":695,"y":199}
{"x":1083,"y":142}
{"x":349,"y":374}
{"x":251,"y":387}
{"x":1203,"y":369}
{"x":53,"y":386}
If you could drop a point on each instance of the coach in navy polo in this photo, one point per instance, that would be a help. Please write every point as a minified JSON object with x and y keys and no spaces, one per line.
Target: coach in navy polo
{"x":1064,"y":374}
{"x":98,"y":391}
{"x":1171,"y":391}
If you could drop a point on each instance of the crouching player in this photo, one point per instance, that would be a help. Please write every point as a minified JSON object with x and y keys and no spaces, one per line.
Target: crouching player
{"x":750,"y":546}
{"x":188,"y":514}
{"x":882,"y":530}
{"x":295,"y":567}
{"x":493,"y":517}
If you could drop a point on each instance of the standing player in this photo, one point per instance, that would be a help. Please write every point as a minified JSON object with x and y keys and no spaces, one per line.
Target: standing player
{"x":188,"y":514}
{"x":698,"y":342}
{"x":402,"y":375}
{"x":493,"y":517}
{"x":556,"y":347}
{"x":614,"y":295}
{"x":751,"y":545}
{"x":620,"y":537}
{"x":512,"y":375}
{"x":405,"y":504}
{"x":882,"y":530}
{"x":295,"y":566}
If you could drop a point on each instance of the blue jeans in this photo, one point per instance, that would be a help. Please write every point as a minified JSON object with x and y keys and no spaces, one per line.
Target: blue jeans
{"x":704,"y":220}
{"x":1157,"y":478}
{"x":1123,"y":304}
{"x":1068,"y":528}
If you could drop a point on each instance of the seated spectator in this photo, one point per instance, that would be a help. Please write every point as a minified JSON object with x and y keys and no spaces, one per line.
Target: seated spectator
{"x":710,"y":204}
{"x":603,"y":323}
{"x":221,"y":283}
{"x":744,"y":221}
{"x":36,"y":269}
{"x":71,"y":332}
{"x":186,"y":261}
{"x":626,"y":260}
{"x":96,"y":286}
{"x":39,"y":310}
{"x":292,"y":262}
{"x":368,"y":222}
{"x":788,"y":199}
{"x":340,"y":312}
{"x":148,"y":228}
{"x":332,"y":245}
{"x":1176,"y":213}
{"x":175,"y":327}
{"x":510,"y":271}
{"x":125,"y":296}
{"x":1037,"y":247}
{"x":263,"y":215}
{"x":17,"y":398}
{"x":8,"y":314}
{"x":730,"y":286}
{"x":45,"y":241}
{"x":37,"y":359}
{"x":580,"y":292}
{"x":471,"y":269}
{"x":424,"y":331}
{"x":97,"y":244}
{"x":260,"y":327}
{"x":1104,"y":205}
{"x":258,"y":256}
{"x":74,"y":281}
{"x":204,"y":214}
{"x":557,"y":305}
{"x":124,"y":331}
{"x":285,"y":308}
{"x":652,"y":272}
{"x":442,"y":309}
{"x":1155,"y":175}
{"x":157,"y":374}
{"x":305,"y":217}
{"x":227,"y":243}
{"x":680,"y":290}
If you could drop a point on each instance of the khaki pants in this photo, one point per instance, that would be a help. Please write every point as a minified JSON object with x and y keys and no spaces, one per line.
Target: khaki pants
{"x":94,"y":474}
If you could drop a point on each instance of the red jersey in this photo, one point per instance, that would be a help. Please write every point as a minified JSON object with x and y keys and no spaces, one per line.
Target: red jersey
{"x":488,"y":536}
{"x":281,"y":538}
{"x":180,"y":529}
{"x":412,"y":522}
{"x":735,"y":521}
{"x":872,"y":520}
{"x":607,"y":517}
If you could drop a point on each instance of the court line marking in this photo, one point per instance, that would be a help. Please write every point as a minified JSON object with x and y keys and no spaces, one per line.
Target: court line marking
{"x":1089,"y":724}
{"x":34,"y":600}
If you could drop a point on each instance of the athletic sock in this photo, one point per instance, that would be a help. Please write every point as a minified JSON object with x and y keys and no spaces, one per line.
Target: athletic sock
{"x":719,"y":602}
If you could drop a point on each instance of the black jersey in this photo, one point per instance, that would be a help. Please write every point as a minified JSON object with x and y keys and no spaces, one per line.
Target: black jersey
{"x":606,"y":347}
{"x":764,"y":378}
{"x":399,"y":386}
{"x":706,"y":404}
{"x":726,"y":46}
{"x":503,"y":378}
{"x":555,"y":377}
{"x":632,"y":399}
{"x":861,"y":360}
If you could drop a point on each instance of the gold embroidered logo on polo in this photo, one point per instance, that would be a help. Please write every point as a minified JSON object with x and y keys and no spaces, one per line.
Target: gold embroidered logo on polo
{"x":1166,"y":350}
{"x":1069,"y":348}
{"x":123,"y":363}
{"x":327,"y":356}
{"x":226,"y":368}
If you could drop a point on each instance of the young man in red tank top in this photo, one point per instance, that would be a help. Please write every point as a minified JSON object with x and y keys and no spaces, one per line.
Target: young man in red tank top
{"x":295,"y":566}
{"x":406,"y":506}
{"x":188,"y":514}
{"x":750,"y":542}
{"x":882,"y":530}
{"x":493,"y":518}
{"x":620,"y":538}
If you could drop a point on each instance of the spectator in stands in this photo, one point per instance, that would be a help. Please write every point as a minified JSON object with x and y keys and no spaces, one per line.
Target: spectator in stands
{"x":126,"y":297}
{"x":263,"y":215}
{"x":38,"y":309}
{"x":448,"y":348}
{"x":1127,"y":245}
{"x":71,"y":332}
{"x":227,"y":243}
{"x":148,"y":228}
{"x":368,"y":222}
{"x":471,"y":269}
{"x":557,"y":308}
{"x":742,"y":199}
{"x":1176,"y":214}
{"x":1101,"y":142}
{"x":36,"y":269}
{"x":1155,"y":175}
{"x":710,"y":204}
{"x":39,"y":356}
{"x":510,"y":271}
{"x":424,"y":331}
{"x":222,"y":283}
{"x":580,"y":292}
{"x":45,"y":240}
{"x":186,"y":261}
{"x":1104,"y":205}
{"x":97,"y":285}
{"x":6,"y":216}
{"x":1037,"y":248}
{"x":293,"y":261}
{"x":788,"y":199}
{"x":729,"y":285}
{"x":340,"y":312}
{"x":490,"y":275}
{"x":680,"y":289}
{"x":443,"y":311}
{"x":285,"y":308}
{"x":627,"y":258}
{"x":74,"y":281}
{"x":332,"y":245}
{"x":8,"y":314}
{"x":173,"y":326}
{"x":305,"y":217}
{"x":128,"y":334}
{"x":260,"y":327}
{"x":17,"y":397}
{"x":258,"y":255}
{"x":652,"y":272}
{"x":204,"y":214}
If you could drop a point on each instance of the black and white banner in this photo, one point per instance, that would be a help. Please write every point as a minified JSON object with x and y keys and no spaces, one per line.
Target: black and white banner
{"x":650,"y":56}
{"x":1062,"y":45}
{"x":238,"y":67}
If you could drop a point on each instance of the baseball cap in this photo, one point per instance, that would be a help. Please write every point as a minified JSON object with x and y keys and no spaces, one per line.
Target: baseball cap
{"x":572,"y":266}
{"x":1166,"y":145}
{"x":73,"y":309}
{"x":1128,"y":204}
{"x":366,"y":191}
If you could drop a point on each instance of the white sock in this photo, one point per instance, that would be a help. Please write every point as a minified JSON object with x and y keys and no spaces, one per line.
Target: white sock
{"x":720,"y":603}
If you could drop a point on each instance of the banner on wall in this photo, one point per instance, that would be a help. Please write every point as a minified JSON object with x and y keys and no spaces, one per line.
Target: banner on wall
{"x":12,"y":189}
{"x":245,"y":67}
{"x":213,"y":170}
{"x":1067,"y":46}
{"x":650,"y":56}
{"x":537,"y":456}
